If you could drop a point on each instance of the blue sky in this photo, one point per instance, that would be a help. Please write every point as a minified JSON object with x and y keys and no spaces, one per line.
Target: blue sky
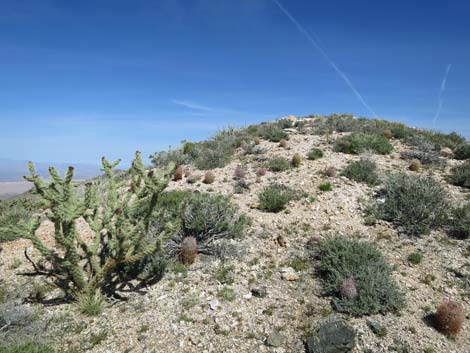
{"x":82,"y":79}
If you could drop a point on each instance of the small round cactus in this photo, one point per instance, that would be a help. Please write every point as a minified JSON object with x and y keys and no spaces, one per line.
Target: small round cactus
{"x":239,"y":173}
{"x":348,"y":289}
{"x":283,"y":143}
{"x":415,"y":165}
{"x":261,"y":172}
{"x":296,"y":160}
{"x":449,"y":317}
{"x":330,"y":172}
{"x":209,"y":178}
{"x":188,"y":250}
{"x":257,"y":140}
{"x":388,"y":134}
{"x":178,"y":175}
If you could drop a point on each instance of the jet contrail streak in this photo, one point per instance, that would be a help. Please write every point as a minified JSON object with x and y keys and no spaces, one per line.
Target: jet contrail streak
{"x":440,"y":100}
{"x":326,"y":57}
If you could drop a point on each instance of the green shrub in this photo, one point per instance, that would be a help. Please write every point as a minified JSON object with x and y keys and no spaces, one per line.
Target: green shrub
{"x":460,"y":175}
{"x":345,"y":264}
{"x":439,"y":139}
{"x":363,"y":171}
{"x":325,"y":186}
{"x":272,"y":132}
{"x":415,"y":258}
{"x":278,"y":164}
{"x":416,"y":204}
{"x":275,"y":197}
{"x":358,"y":143}
{"x":210,"y":217}
{"x":18,"y":210}
{"x":315,"y":153}
{"x":459,"y":221}
{"x":462,"y":151}
{"x":27,"y":347}
{"x":90,"y":304}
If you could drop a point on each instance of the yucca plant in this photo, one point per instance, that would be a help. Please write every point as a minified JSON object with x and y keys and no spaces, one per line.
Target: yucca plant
{"x":125,"y":243}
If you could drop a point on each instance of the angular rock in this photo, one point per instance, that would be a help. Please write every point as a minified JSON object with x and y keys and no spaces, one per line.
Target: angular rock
{"x":259,"y":292}
{"x":289,"y":274}
{"x":275,"y":339}
{"x":333,"y":336}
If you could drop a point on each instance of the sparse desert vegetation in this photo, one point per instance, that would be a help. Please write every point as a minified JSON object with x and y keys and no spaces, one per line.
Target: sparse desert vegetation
{"x":239,"y":242}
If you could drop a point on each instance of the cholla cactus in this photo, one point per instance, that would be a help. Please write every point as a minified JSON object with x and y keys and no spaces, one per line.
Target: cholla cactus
{"x":121,"y":221}
{"x":188,"y":250}
{"x":348,"y":289}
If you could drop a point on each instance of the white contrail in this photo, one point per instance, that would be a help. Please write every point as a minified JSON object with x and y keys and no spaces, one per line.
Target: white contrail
{"x":440,"y":100}
{"x":327,"y":58}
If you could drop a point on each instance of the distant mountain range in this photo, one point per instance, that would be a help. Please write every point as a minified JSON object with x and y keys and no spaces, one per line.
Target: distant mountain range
{"x":14,"y":170}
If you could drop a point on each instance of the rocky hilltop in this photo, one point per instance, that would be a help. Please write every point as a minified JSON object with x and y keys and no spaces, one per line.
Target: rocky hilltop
{"x":332,"y":234}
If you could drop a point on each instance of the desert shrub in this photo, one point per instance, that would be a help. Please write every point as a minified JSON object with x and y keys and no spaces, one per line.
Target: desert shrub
{"x":460,"y":175}
{"x":18,"y":210}
{"x":315,"y":153}
{"x":272,"y":132}
{"x":439,"y":139}
{"x":358,"y":143}
{"x":449,"y":317}
{"x":462,"y":151}
{"x":426,"y":158}
{"x":213,"y":154}
{"x":241,"y":186}
{"x":335,"y":123}
{"x":275,"y":197}
{"x":416,"y":204}
{"x":459,"y":221}
{"x":345,"y":264}
{"x":207,"y":216}
{"x":278,"y":164}
{"x":325,"y":186}
{"x":122,"y":223}
{"x":26,"y":347}
{"x":175,"y":156}
{"x":363,"y":171}
{"x":415,"y":257}
{"x":296,"y":160}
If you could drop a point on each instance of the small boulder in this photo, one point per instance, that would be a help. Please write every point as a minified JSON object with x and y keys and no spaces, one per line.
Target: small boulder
{"x":446,"y":152}
{"x":289,"y":274}
{"x":275,"y":339}
{"x":333,"y":336}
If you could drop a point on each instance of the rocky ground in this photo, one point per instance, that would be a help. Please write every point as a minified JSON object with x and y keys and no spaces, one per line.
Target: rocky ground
{"x":265,"y":297}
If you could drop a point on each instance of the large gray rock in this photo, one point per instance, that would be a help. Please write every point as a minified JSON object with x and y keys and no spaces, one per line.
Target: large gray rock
{"x":333,"y":336}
